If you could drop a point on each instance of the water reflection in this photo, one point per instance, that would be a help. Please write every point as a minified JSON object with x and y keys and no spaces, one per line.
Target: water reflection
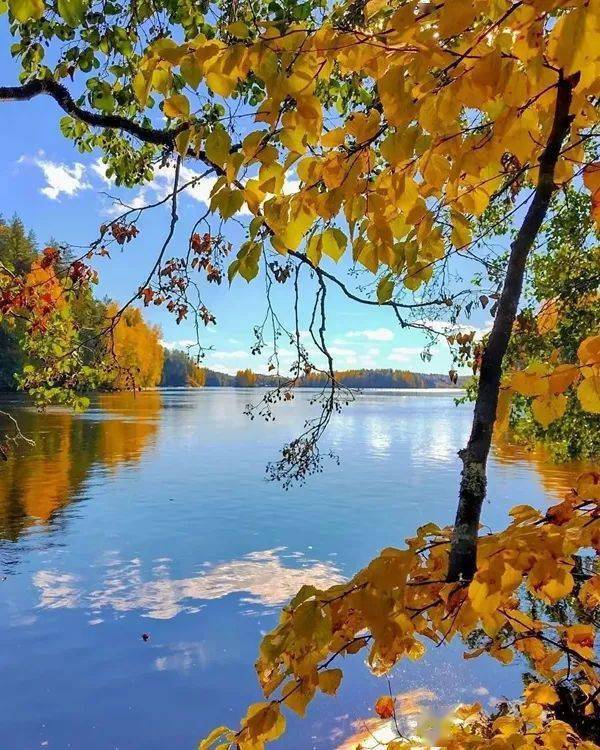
{"x":183,"y":657}
{"x":262,"y":576}
{"x":555,"y":478}
{"x":147,"y":507}
{"x":412,"y":708}
{"x":37,"y":481}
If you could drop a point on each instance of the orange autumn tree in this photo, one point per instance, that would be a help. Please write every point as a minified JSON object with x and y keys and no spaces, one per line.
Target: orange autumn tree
{"x":135,"y":350}
{"x":245,"y":378}
{"x":398,"y":138}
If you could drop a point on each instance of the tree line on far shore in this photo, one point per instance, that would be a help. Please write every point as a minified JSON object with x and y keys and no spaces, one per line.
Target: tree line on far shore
{"x":137,"y":358}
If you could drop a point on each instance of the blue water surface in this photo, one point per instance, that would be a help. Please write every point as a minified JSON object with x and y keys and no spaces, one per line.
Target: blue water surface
{"x":152,"y":515}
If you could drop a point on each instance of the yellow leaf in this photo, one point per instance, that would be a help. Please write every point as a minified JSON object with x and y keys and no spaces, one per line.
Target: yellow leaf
{"x":309,"y":170}
{"x":547,"y":318}
{"x":562,"y":377}
{"x":297,"y":698}
{"x":455,"y":16}
{"x":251,"y":145}
{"x":522,"y":513}
{"x":263,"y":722}
{"x":271,"y":178}
{"x":579,"y":24}
{"x":333,"y":138}
{"x":329,"y":680}
{"x":363,"y":126}
{"x":238,"y":29}
{"x":591,"y":179}
{"x":27,"y":10}
{"x":589,"y":351}
{"x":537,"y":692}
{"x":547,"y":409}
{"x":142,"y":83}
{"x":503,"y":411}
{"x":588,"y":393}
{"x":191,"y":70}
{"x":532,"y":381}
{"x":333,"y":243}
{"x":468,"y":711}
{"x":220,"y":83}
{"x":176,"y":106}
{"x":385,"y":289}
{"x":333,"y":169}
{"x":182,"y":141}
{"x":209,"y":740}
{"x":588,"y":485}
{"x":461,"y":230}
{"x":398,"y":104}
{"x":228,"y":201}
{"x":589,"y":594}
{"x":217,"y":146}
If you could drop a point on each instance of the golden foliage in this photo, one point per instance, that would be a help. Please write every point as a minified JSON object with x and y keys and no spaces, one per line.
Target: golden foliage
{"x":401,"y":601}
{"x":402,"y":172}
{"x":546,"y":383}
{"x":136,"y":348}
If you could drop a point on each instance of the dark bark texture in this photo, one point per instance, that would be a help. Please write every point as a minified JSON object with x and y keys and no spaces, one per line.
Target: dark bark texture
{"x":463,"y":552}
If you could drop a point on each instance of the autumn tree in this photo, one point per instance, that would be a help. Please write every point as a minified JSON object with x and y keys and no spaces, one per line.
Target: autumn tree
{"x":245,"y":378}
{"x":401,"y":137}
{"x":136,"y":350}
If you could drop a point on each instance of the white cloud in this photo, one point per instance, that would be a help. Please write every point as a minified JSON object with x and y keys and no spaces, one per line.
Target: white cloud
{"x":221,"y":367}
{"x":373,"y":334}
{"x":339,"y":351}
{"x":60,"y":178}
{"x":99,"y":168}
{"x":405,"y":354}
{"x":180,"y":344}
{"x":238,"y":354}
{"x":161,"y":186}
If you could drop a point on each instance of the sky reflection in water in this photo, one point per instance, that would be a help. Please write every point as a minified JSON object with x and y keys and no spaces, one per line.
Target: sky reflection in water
{"x":152,"y":515}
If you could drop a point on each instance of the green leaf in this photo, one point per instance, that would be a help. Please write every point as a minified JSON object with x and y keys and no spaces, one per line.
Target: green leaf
{"x":385,"y":289}
{"x":249,"y":256}
{"x":72,"y":11}
{"x":238,"y":29}
{"x":232,"y":270}
{"x":227,"y":201}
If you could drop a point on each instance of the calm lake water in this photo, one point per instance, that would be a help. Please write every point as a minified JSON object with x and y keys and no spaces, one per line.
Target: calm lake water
{"x":151,"y":514}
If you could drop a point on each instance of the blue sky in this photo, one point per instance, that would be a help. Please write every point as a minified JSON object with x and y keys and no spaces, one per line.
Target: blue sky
{"x":61,"y":194}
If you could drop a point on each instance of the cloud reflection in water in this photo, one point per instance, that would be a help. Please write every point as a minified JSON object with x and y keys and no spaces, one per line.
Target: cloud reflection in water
{"x":376,"y":734}
{"x":262,"y":575}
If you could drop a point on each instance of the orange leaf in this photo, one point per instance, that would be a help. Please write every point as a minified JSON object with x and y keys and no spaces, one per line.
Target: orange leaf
{"x":384,"y":707}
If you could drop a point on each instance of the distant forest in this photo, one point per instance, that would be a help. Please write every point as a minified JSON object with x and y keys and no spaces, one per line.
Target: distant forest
{"x":180,"y":370}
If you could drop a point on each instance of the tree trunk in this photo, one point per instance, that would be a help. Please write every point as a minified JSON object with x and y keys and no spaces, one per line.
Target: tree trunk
{"x":463,"y":552}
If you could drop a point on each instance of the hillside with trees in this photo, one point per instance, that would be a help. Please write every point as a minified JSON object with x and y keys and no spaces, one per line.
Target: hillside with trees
{"x":131,"y":358}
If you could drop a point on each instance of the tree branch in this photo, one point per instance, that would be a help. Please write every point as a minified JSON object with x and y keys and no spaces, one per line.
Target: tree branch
{"x":65,"y":101}
{"x":463,"y":553}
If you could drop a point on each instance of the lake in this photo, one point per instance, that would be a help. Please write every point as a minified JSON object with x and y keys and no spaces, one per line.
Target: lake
{"x":151,"y":515}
